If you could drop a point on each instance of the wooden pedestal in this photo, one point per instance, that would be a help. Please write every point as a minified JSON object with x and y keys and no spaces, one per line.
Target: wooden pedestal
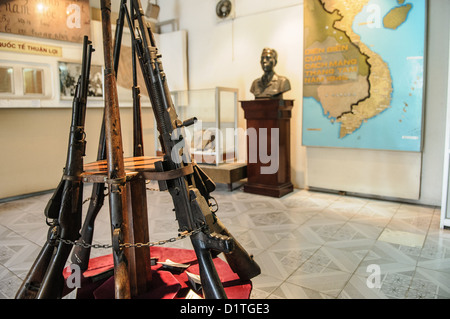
{"x":270,"y":115}
{"x":135,"y":223}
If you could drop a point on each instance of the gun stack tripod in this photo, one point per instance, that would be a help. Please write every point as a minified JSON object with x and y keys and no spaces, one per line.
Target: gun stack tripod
{"x":125,"y":179}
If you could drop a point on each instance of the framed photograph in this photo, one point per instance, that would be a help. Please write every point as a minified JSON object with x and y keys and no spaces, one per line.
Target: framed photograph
{"x":69,"y":72}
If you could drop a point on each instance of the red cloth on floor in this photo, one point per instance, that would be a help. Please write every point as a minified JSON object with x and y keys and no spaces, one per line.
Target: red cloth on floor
{"x":164,"y":284}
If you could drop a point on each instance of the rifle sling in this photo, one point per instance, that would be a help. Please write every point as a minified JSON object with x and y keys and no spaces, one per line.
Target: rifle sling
{"x":71,"y":178}
{"x":168,"y":175}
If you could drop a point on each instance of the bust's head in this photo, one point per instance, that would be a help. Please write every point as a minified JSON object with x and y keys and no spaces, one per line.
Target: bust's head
{"x":268,"y":59}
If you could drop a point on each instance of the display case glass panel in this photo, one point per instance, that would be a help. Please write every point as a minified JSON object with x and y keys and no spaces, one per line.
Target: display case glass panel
{"x":213,"y":138}
{"x":6,"y":80}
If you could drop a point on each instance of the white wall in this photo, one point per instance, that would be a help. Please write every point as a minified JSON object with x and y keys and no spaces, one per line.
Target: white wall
{"x":227,"y":54}
{"x":436,"y":100}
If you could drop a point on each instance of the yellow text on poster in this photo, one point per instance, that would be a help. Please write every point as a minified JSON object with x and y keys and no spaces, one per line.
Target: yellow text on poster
{"x":30,"y":48}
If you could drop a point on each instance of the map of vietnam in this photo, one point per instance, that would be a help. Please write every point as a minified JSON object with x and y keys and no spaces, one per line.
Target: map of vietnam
{"x":375,"y":82}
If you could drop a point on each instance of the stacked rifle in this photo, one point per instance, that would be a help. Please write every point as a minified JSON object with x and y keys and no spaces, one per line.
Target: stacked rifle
{"x":190,"y":188}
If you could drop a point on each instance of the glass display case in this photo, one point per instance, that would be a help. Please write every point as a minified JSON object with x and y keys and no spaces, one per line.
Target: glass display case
{"x":213,"y":138}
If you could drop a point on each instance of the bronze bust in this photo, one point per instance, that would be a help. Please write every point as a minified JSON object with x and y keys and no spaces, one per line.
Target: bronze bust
{"x":270,"y":85}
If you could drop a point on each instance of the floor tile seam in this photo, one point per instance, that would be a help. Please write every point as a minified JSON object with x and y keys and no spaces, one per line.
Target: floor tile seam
{"x":296,"y":268}
{"x":303,"y":222}
{"x":354,"y":272}
{"x":425,"y":268}
{"x":337,"y":230}
{"x":285,"y":280}
{"x":413,"y":276}
{"x":407,"y":287}
{"x":423,"y":244}
{"x":363,"y":206}
{"x":11,"y":274}
{"x":426,"y":236}
{"x":358,"y":210}
{"x":351,"y":273}
{"x":292,"y":283}
{"x":278,"y":287}
{"x":318,"y":291}
{"x":40,"y":245}
{"x":369,"y":202}
{"x":410,"y":290}
{"x":329,"y":267}
{"x":386,"y":225}
{"x":309,"y":260}
{"x":20,"y":216}
{"x":267,"y":249}
{"x":416,"y":257}
{"x":421,"y":266}
{"x":418,"y":226}
{"x":4,"y":266}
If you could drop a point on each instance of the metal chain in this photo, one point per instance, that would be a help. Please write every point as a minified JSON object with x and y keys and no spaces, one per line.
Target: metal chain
{"x":83,"y":244}
{"x":181,"y":236}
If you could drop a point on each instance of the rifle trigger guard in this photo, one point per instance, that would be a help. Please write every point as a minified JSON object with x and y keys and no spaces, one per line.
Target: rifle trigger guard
{"x":213,"y":204}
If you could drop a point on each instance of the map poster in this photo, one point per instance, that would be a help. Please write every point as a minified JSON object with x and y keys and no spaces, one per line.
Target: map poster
{"x":363,"y":74}
{"x":64,"y":20}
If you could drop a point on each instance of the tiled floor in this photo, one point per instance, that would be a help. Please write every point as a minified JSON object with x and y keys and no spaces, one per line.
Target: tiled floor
{"x":308,"y":244}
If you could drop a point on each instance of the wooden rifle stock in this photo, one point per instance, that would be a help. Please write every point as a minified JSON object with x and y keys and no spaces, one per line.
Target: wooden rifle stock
{"x":32,"y":283}
{"x":115,"y":165}
{"x":81,"y":254}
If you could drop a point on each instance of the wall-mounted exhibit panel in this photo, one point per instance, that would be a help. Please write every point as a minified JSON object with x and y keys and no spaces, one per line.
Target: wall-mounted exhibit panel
{"x":363,"y":74}
{"x":62,"y":20}
{"x":43,"y":72}
{"x":24,"y":80}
